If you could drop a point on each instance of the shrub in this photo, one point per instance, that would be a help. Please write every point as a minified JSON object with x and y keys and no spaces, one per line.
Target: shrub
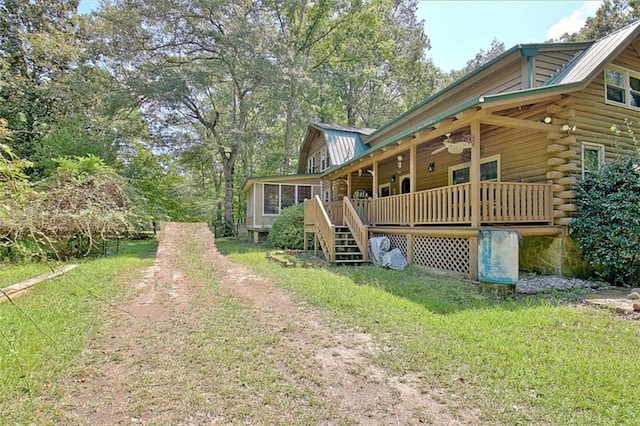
{"x":607,"y":224}
{"x":288,"y":228}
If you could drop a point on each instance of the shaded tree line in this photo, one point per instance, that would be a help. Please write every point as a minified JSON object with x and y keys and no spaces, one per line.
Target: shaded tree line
{"x":180,"y":100}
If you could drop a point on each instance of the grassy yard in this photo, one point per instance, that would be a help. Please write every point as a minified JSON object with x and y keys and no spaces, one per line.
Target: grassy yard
{"x":40,"y":336}
{"x":521,"y":359}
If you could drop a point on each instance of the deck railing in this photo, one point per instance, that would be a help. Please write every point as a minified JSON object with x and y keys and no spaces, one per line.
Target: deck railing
{"x":359,"y":230}
{"x":334,"y":211}
{"x":501,"y":202}
{"x":316,"y":215}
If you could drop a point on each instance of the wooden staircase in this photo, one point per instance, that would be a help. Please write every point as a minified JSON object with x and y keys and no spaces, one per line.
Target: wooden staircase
{"x":347,"y":250}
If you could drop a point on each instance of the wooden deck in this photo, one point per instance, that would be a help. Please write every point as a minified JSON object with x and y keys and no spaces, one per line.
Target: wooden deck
{"x":437,"y":213}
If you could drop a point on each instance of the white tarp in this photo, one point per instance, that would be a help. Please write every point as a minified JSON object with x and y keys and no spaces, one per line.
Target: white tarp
{"x":381,"y":255}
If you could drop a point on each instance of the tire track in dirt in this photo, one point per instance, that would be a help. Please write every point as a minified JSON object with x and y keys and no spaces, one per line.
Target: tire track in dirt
{"x":367,"y":394}
{"x":139,"y":360}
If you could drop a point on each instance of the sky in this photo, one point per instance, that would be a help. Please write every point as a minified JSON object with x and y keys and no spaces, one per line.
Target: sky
{"x":458,"y":30}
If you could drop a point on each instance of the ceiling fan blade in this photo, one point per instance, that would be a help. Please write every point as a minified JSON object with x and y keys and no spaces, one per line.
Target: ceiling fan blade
{"x":435,"y":151}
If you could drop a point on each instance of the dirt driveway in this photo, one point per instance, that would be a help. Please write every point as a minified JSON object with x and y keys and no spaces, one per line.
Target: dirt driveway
{"x":153,"y":365}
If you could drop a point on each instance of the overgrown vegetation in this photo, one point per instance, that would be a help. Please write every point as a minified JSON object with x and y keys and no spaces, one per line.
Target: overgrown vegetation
{"x":288,"y":228}
{"x":521,"y":359}
{"x":607,"y":224}
{"x":71,"y":213}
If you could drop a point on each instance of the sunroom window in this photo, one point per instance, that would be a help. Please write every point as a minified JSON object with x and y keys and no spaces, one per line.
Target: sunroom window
{"x":622,"y":87}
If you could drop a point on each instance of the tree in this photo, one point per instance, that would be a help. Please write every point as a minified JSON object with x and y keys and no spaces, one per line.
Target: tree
{"x":481,"y":58}
{"x":40,"y":42}
{"x":610,"y":17}
{"x":202,"y":63}
{"x":378,"y":68}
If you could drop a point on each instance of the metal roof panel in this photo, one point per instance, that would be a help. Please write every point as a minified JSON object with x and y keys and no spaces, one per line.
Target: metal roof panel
{"x":597,"y":55}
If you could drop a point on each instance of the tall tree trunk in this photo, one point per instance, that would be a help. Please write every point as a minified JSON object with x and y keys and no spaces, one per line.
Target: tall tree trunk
{"x":291,"y":103}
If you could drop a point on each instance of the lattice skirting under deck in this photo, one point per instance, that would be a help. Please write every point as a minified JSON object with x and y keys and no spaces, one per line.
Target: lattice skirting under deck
{"x":442,"y":253}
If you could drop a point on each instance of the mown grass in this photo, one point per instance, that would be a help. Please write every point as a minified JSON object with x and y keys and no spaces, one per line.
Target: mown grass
{"x":45,"y":329}
{"x":520,"y":359}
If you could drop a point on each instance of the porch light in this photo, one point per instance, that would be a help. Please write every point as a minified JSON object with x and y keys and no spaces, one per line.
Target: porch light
{"x":399,"y":158}
{"x":547,"y":120}
{"x":359,"y":172}
{"x":431,"y":167}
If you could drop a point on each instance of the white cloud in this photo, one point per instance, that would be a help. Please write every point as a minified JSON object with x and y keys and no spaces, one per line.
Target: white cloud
{"x":572,"y":23}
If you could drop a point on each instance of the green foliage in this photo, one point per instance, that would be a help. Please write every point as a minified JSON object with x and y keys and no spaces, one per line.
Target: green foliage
{"x":287,"y":230}
{"x":481,"y":58}
{"x":607,"y":224}
{"x":71,"y":213}
{"x":610,"y":17}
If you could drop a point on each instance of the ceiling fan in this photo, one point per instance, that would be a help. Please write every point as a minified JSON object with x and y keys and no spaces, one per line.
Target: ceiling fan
{"x":451,"y":146}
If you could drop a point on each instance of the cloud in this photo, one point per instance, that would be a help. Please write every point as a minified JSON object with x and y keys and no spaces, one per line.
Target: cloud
{"x":572,"y":23}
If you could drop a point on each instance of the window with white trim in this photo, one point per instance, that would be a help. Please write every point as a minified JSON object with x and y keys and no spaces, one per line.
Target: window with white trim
{"x":384,"y":190}
{"x":278,"y":196}
{"x":622,"y":87}
{"x":489,"y":171}
{"x":592,"y":157}
{"x":311,"y":164}
{"x":324,"y":160}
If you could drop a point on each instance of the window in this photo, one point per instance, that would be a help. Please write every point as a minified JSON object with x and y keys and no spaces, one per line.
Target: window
{"x":311,"y":164}
{"x":622,"y":87}
{"x":385,"y":190}
{"x":304,"y":193}
{"x":287,"y":196}
{"x":489,"y":171}
{"x":592,"y":157}
{"x":325,"y":196}
{"x":324,"y":160}
{"x":277,"y":197}
{"x":271,"y":199}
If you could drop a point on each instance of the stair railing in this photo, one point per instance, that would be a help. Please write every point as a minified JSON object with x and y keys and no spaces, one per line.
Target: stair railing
{"x":359,"y":230}
{"x":326,"y":230}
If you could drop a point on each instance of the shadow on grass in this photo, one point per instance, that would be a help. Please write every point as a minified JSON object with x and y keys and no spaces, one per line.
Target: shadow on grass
{"x":438,"y":294}
{"x":446,"y":295}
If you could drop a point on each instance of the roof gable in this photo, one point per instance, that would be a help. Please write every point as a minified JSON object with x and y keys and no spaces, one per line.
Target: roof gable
{"x":591,"y":62}
{"x":343,"y":143}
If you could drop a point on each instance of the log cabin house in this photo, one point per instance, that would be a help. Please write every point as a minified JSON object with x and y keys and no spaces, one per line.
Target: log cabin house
{"x":499,"y":149}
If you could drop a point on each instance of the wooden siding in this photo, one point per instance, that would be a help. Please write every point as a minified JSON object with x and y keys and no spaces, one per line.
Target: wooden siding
{"x":548,"y":63}
{"x":504,"y":78}
{"x":312,"y":149}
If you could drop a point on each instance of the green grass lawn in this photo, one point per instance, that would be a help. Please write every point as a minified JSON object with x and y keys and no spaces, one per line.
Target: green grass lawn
{"x":521,"y":359}
{"x":44,"y":330}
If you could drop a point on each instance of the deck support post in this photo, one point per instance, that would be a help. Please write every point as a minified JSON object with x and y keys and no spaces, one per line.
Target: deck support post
{"x":375,"y":179}
{"x":473,"y":258}
{"x":474,"y":174}
{"x":413,"y":150}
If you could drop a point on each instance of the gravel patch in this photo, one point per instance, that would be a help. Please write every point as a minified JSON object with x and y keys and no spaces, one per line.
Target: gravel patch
{"x":539,"y":283}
